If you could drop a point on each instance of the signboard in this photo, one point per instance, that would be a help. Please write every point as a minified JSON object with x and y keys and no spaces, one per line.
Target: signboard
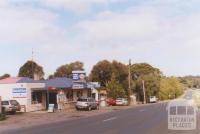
{"x":78,"y":86}
{"x":19,"y":93}
{"x":51,"y":108}
{"x":78,"y":75}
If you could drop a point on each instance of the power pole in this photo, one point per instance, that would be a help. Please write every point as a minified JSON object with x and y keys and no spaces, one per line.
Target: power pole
{"x":129,"y":75}
{"x":143,"y":87}
{"x":32,"y":63}
{"x":129,"y":84}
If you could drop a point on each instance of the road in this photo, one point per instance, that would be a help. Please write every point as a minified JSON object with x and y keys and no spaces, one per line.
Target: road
{"x":145,"y":119}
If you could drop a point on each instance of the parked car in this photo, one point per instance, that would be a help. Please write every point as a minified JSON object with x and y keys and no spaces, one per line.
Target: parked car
{"x":86,"y":103}
{"x":121,"y":102}
{"x":111,"y":102}
{"x":152,"y":99}
{"x":11,"y":106}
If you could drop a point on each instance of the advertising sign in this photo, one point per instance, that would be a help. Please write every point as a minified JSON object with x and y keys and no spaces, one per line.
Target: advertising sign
{"x":19,"y":93}
{"x":51,"y":108}
{"x":78,"y":75}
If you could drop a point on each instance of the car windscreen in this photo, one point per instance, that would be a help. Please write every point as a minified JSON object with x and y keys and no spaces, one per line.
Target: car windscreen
{"x":14,"y":102}
{"x":5,"y":103}
{"x":81,"y":99}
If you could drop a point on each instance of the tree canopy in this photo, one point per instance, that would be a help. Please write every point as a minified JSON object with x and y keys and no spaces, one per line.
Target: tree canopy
{"x":170,"y":88}
{"x":103,"y":70}
{"x":4,"y":76}
{"x":31,"y":69}
{"x":66,"y":70}
{"x":151,"y":77}
{"x":114,"y":88}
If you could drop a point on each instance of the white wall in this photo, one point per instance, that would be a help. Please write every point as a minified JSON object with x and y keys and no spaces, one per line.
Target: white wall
{"x":7,"y":89}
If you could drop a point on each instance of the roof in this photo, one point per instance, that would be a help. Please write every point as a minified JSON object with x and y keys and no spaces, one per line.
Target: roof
{"x":61,"y":82}
{"x":13,"y":80}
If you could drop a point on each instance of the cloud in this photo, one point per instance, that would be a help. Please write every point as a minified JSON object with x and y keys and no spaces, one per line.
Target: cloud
{"x":77,"y":6}
{"x":25,"y":25}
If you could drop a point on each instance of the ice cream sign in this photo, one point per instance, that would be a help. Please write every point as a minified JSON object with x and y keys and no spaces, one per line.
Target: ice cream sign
{"x":78,"y":75}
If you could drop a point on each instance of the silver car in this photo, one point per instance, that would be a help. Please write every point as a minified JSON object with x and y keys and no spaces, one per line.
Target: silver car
{"x":11,"y":106}
{"x":86,"y":103}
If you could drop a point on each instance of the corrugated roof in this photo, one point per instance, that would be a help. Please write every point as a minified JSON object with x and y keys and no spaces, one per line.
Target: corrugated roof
{"x":12,"y":80}
{"x":61,"y":82}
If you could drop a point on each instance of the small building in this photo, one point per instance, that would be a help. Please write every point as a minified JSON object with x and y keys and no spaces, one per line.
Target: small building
{"x":29,"y":93}
{"x":54,"y":86}
{"x":72,"y":90}
{"x":36,"y":95}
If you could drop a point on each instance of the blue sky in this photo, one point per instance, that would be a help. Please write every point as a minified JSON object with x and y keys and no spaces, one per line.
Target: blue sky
{"x":162,"y":33}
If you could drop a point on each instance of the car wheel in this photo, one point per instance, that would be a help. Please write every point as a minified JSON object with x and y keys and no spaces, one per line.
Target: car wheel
{"x":97,"y":108}
{"x":89,"y":108}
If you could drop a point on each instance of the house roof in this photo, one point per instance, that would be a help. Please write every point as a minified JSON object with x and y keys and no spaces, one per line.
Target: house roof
{"x":61,"y":82}
{"x":13,"y":80}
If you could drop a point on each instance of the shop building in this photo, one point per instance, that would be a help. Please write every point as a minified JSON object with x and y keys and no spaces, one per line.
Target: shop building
{"x":35,"y":95}
{"x":29,"y":93}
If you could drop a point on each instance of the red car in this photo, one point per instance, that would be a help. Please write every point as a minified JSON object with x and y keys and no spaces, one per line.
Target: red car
{"x":111,"y":102}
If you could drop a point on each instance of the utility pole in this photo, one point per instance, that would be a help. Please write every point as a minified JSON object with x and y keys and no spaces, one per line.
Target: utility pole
{"x":129,"y":84}
{"x":32,"y":64}
{"x":143,"y":87}
{"x":129,"y":75}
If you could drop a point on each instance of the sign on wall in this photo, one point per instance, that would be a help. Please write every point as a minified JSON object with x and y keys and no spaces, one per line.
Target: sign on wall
{"x":78,"y":86}
{"x":19,"y":93}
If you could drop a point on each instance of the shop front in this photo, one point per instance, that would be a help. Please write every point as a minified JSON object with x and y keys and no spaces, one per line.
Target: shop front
{"x":30,"y":94}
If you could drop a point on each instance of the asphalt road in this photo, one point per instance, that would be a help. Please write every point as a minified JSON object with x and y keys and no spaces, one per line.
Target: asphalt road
{"x":146,"y":119}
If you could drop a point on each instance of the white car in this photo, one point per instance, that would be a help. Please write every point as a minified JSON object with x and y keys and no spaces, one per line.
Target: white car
{"x":152,"y":99}
{"x":121,"y":102}
{"x":86,"y":103}
{"x":11,"y":106}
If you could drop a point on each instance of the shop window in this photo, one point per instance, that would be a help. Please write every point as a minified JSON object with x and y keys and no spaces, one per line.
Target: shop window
{"x":36,"y":97}
{"x":79,"y":94}
{"x":89,"y":93}
{"x":69,"y":95}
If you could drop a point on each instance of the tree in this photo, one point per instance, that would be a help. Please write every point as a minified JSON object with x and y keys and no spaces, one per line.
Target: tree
{"x":170,"y":88}
{"x":4,"y":76}
{"x":66,"y":70}
{"x":103,"y":70}
{"x":114,"y":88}
{"x":150,"y":75}
{"x":31,"y":69}
{"x":50,"y":77}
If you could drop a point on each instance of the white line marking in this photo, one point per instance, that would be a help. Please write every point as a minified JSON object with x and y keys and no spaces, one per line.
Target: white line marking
{"x":142,"y":110}
{"x":109,"y":119}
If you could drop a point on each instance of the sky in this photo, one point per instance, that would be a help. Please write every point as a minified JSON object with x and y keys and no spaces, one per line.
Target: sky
{"x":163,"y":33}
